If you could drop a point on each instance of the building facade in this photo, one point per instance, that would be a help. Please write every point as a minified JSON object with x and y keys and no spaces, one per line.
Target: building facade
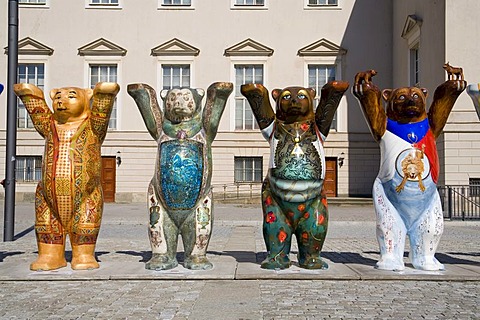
{"x":169,"y":43}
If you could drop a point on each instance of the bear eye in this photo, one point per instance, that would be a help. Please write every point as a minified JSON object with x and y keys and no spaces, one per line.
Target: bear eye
{"x":402,"y":97}
{"x":301,"y":96}
{"x":286,"y":97}
{"x":415,"y":96}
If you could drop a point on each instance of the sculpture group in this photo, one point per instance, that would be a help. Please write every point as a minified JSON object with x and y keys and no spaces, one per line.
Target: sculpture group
{"x":69,"y":199}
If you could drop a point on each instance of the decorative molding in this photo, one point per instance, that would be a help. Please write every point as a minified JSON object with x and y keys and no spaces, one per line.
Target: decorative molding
{"x":175,"y":47}
{"x":101,"y":47}
{"x":248,"y":47}
{"x":322,"y":47}
{"x":412,"y":26}
{"x":29,"y":46}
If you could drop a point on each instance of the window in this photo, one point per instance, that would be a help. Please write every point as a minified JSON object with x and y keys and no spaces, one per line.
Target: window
{"x":474,"y":186}
{"x":249,"y":2}
{"x":105,"y":73}
{"x":318,"y":76}
{"x":248,"y":169}
{"x":414,"y":67}
{"x":28,"y":168}
{"x":33,"y":74}
{"x":175,"y":76}
{"x":322,"y":2}
{"x":104,"y":2}
{"x":176,"y":3}
{"x":244,"y":74}
{"x":33,"y":2}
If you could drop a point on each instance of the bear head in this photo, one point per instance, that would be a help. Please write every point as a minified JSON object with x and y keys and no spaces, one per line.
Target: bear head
{"x":294,"y":104}
{"x":70,"y":104}
{"x":406,"y":105}
{"x":181,"y":104}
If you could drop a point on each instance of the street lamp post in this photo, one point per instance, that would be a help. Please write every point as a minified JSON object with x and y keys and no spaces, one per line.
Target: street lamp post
{"x":9,"y":183}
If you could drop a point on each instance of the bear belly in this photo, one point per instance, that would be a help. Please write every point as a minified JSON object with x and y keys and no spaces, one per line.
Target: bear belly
{"x":180,"y":173}
{"x":410,"y":202}
{"x":63,"y":188}
{"x":297,"y":161}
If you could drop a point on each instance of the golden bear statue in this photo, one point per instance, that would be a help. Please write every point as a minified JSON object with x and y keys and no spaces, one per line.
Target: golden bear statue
{"x":69,"y":197}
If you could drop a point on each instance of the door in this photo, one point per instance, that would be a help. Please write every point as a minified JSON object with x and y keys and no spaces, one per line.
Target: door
{"x":108,"y":178}
{"x":330,"y":182}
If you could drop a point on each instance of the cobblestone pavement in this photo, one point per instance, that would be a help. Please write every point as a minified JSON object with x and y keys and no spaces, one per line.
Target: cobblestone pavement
{"x":351,"y":240}
{"x":239,"y":300}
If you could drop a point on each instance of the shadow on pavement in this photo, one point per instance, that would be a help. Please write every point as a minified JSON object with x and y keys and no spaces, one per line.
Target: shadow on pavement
{"x":23,"y":233}
{"x":4,"y":254}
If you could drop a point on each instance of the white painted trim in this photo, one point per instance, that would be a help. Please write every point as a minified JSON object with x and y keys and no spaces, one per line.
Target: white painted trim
{"x":89,"y":5}
{"x":105,"y":60}
{"x":234,"y":6}
{"x":342,"y":114}
{"x":35,"y":5}
{"x":161,"y":6}
{"x":244,"y":60}
{"x":339,"y":6}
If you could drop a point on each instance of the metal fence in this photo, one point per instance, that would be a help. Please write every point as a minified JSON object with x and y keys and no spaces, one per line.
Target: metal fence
{"x":460,"y":202}
{"x":237,"y":191}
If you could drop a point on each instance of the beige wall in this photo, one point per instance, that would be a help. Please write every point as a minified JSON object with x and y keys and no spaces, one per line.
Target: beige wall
{"x":364,"y":28}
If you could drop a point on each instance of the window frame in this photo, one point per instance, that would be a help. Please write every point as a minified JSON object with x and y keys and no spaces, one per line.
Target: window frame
{"x":37,"y":160}
{"x":255,"y":169}
{"x":44,"y":5}
{"x":105,"y":60}
{"x":162,"y":6}
{"x":308,"y":6}
{"x":33,"y":60}
{"x":181,"y":65}
{"x":414,"y":65}
{"x":341,"y":114}
{"x":235,"y":6}
{"x":233,"y":100}
{"x":113,"y":6}
{"x":174,"y":60}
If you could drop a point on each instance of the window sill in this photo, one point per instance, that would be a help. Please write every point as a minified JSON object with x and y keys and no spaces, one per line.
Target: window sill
{"x":176,"y":7}
{"x":240,"y":7}
{"x":322,"y":8}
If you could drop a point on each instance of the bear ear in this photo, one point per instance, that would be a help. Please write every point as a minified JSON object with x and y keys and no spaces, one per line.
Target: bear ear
{"x":200,"y":92}
{"x":424,"y":91}
{"x":53,"y":92}
{"x":386,"y":94}
{"x":276,"y":93}
{"x":163,"y":94}
{"x":311,"y":92}
{"x":89,"y":93}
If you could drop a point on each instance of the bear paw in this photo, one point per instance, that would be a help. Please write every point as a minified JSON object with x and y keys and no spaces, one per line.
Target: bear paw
{"x":390,"y":263}
{"x":428,"y":264}
{"x":313,"y":263}
{"x":198,"y":263}
{"x":161,"y":262}
{"x":276,"y":262}
{"x":45,"y":263}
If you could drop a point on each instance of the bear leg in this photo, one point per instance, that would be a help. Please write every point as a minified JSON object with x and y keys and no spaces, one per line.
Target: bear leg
{"x":50,"y":236}
{"x":50,"y":257}
{"x":83,"y":257}
{"x":311,"y":232}
{"x":163,"y":235}
{"x":196,"y":232}
{"x":391,"y":231}
{"x":277,"y":231}
{"x":425,"y":235}
{"x":86,"y":223}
